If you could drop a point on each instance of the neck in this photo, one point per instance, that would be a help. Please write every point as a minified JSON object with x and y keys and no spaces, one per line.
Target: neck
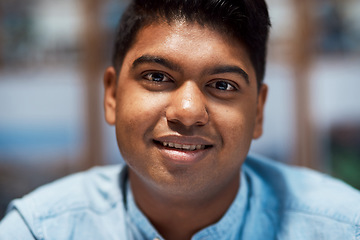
{"x":181,"y":216}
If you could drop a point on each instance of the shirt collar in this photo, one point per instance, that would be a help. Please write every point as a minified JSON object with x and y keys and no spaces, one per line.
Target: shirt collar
{"x":232,"y":222}
{"x":138,"y":218}
{"x":229,"y":225}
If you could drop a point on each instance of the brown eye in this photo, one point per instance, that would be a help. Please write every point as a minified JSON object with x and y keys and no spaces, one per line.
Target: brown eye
{"x":156,"y":77}
{"x":223,"y":86}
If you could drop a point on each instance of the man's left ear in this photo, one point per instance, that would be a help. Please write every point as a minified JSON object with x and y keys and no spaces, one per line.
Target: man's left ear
{"x":258,"y":130}
{"x":110,"y":83}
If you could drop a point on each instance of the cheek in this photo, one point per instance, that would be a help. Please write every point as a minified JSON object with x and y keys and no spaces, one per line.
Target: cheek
{"x":137,"y":113}
{"x":236,"y":126}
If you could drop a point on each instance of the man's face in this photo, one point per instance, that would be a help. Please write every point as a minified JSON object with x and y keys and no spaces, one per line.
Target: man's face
{"x":185,"y":107}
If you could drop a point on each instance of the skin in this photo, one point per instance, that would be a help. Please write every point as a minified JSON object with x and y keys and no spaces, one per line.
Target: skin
{"x":183,"y":83}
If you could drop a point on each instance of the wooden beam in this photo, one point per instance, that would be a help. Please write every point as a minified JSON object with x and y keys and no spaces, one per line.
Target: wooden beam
{"x":92,"y":62}
{"x":1,"y":35}
{"x":306,"y":150}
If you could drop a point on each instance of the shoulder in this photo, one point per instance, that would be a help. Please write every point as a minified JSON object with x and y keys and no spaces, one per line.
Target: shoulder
{"x":81,"y":200}
{"x":84,"y":189}
{"x":302,"y":197}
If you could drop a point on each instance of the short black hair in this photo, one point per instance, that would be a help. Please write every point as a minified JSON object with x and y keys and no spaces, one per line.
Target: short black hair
{"x":245,"y":20}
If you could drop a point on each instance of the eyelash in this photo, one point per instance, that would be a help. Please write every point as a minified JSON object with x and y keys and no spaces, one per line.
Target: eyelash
{"x":149,"y":75}
{"x":232,"y":85}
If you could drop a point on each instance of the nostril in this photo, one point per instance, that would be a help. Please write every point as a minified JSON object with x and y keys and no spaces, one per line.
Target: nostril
{"x":188,"y":116}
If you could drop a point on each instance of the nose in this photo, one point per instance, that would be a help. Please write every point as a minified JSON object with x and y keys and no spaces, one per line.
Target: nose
{"x":187,"y":106}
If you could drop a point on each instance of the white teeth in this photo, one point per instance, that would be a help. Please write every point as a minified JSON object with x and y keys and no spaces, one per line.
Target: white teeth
{"x":186,"y":147}
{"x":183,"y":147}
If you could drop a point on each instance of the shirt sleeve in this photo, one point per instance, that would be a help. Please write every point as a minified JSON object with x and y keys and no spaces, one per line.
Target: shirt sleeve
{"x":13,"y":227}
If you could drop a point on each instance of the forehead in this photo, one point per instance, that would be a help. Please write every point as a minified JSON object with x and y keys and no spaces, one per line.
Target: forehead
{"x":176,"y":29}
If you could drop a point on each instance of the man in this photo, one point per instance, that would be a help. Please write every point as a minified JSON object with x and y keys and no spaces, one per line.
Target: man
{"x":185,"y":93}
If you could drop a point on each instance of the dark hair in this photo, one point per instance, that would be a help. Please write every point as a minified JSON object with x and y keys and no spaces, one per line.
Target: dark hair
{"x":245,"y":20}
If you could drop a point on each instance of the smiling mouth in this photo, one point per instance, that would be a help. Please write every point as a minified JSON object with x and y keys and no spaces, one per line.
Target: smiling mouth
{"x":182,"y":147}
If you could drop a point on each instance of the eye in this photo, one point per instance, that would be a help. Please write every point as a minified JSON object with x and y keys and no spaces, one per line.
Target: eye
{"x":157,"y":77}
{"x":223,"y":86}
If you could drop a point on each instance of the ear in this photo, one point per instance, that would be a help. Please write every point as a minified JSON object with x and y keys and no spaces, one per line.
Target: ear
{"x":258,"y":130}
{"x":110,"y":84}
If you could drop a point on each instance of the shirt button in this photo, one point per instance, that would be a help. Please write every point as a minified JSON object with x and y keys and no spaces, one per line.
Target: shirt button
{"x":156,"y":238}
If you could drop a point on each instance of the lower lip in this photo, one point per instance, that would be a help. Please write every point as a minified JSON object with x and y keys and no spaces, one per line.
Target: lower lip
{"x":182,"y":156}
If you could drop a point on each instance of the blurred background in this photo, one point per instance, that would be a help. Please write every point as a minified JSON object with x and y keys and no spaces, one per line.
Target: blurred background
{"x":53,"y":55}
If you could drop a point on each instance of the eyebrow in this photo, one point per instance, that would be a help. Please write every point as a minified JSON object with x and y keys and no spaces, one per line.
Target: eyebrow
{"x":230,"y":69}
{"x":166,"y":63}
{"x":155,"y":59}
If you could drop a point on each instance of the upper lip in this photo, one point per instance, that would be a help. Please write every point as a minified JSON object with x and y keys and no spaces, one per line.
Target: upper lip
{"x":184,"y":140}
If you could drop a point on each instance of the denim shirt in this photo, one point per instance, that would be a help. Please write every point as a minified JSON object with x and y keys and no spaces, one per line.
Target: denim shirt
{"x":274,"y":201}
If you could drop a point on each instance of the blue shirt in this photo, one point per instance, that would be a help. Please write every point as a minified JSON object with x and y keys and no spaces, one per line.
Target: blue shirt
{"x":274,"y":201}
